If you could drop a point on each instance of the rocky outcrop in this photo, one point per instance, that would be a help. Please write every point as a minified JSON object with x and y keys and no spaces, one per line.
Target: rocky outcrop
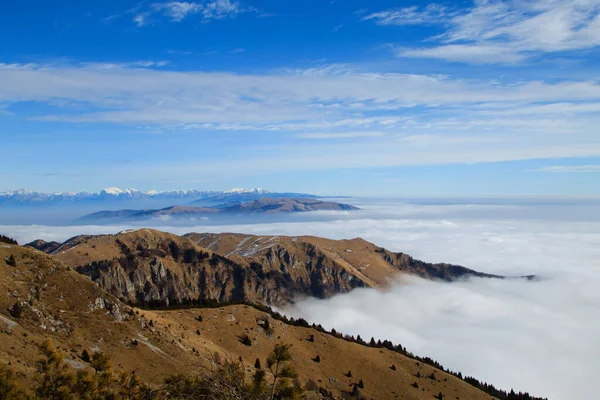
{"x":151,"y":268}
{"x":441,"y":271}
{"x":312,"y":273}
{"x":365,"y":263}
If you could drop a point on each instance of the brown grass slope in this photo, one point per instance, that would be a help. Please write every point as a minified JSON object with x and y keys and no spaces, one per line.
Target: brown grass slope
{"x":41,"y":298}
{"x":57,"y":303}
{"x":149,"y":267}
{"x":373,"y":265}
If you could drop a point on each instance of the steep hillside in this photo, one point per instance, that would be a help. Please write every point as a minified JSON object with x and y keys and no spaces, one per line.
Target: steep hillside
{"x":58,"y":304}
{"x":373,"y":265}
{"x":151,"y":267}
{"x":41,"y":298}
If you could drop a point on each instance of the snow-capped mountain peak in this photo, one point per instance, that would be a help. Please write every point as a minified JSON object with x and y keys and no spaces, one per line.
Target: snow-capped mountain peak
{"x":115,"y":191}
{"x":18,"y":192}
{"x":115,"y":195}
{"x":242,"y":190}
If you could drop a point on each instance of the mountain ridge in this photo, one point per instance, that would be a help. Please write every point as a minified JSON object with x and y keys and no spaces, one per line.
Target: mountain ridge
{"x":42,"y":298}
{"x":147,"y":266}
{"x":260,"y":206}
{"x":26,"y":197}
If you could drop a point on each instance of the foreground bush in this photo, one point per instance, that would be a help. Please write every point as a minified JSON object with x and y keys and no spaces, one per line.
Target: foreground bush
{"x":219,"y":380}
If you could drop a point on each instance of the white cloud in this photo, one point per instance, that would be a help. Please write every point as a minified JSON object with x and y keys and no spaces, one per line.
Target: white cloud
{"x":462,"y":120}
{"x":502,"y":31}
{"x":539,"y":337}
{"x":343,"y":135}
{"x":536,"y":336}
{"x":141,"y":19}
{"x":219,"y":9}
{"x":178,"y":52}
{"x":570,"y":168}
{"x":133,"y":64}
{"x":190,"y":97}
{"x":177,"y":11}
{"x":430,"y":14}
{"x":548,"y":110}
{"x":477,"y":54}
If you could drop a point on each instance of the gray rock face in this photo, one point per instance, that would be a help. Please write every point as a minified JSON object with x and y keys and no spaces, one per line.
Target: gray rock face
{"x":144,"y":279}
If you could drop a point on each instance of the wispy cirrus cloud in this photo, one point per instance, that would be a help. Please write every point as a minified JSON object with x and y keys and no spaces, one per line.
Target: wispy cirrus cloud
{"x":569,"y":169}
{"x":137,"y":93}
{"x":141,"y":19}
{"x":408,"y":119}
{"x":414,"y":15}
{"x":340,"y":135}
{"x":500,"y":31}
{"x":121,"y":65}
{"x":178,"y":52}
{"x":177,"y":11}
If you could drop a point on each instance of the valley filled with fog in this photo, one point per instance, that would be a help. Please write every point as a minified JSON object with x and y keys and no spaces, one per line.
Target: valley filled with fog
{"x":539,"y":336}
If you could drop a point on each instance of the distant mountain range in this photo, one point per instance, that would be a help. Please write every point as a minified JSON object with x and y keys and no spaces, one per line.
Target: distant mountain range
{"x":25,"y":197}
{"x":260,"y":206}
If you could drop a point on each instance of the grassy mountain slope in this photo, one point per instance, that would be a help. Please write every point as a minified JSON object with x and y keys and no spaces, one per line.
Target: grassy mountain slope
{"x":57,"y":303}
{"x":372,"y":264}
{"x":149,"y":267}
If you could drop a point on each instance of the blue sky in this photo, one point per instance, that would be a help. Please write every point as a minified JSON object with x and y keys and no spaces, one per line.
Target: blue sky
{"x":341,"y":97}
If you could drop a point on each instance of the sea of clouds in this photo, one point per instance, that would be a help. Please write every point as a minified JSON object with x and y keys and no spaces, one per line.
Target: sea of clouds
{"x":540,"y":336}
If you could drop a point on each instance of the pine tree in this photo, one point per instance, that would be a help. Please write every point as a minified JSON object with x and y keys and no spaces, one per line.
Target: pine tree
{"x":245,"y":340}
{"x":9,"y":388}
{"x":10,"y":260}
{"x":6,"y":239}
{"x":16,"y":311}
{"x":100,"y":362}
{"x":277,"y":364}
{"x":56,"y":379}
{"x":257,"y":364}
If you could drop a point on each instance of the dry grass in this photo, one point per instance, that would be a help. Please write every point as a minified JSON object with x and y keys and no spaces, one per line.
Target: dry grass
{"x":73,"y":312}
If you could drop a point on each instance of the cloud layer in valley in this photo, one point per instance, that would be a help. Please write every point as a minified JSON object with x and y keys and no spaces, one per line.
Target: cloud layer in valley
{"x":538,"y":336}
